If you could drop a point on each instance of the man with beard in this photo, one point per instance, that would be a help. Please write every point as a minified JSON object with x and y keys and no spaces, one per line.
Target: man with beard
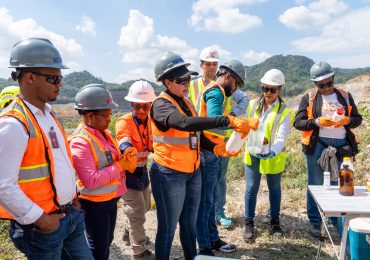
{"x":211,"y":103}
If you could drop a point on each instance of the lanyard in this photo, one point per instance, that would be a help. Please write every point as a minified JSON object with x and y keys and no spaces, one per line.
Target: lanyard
{"x":147,"y":134}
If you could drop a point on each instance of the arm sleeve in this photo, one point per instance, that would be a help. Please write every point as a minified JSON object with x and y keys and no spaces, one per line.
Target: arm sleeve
{"x":12,"y":198}
{"x":356,"y":118}
{"x":84,"y":164}
{"x":283,"y":131}
{"x":123,"y":134}
{"x":301,"y":121}
{"x":166,"y":116}
{"x":241,"y":101}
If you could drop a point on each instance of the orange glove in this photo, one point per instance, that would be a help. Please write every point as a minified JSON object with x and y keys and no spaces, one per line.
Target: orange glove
{"x":253,"y":123}
{"x":220,"y":150}
{"x":344,"y":121}
{"x":128,"y":162}
{"x":326,"y":121}
{"x":240,"y":125}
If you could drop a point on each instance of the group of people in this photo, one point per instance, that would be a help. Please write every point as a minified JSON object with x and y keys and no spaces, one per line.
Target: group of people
{"x":60,"y":193}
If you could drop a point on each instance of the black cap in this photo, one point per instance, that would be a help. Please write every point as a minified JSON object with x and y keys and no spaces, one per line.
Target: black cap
{"x":179,"y":73}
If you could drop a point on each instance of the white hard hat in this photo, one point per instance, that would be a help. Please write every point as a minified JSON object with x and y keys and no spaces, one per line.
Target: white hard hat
{"x":273,"y":77}
{"x":209,"y":54}
{"x":141,"y":92}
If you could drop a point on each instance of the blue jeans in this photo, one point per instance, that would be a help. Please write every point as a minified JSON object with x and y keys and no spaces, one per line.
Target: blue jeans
{"x":100,"y":219}
{"x":253,"y":179}
{"x":220,"y":198}
{"x":207,"y":232}
{"x":316,"y":176}
{"x":67,"y":242}
{"x":177,"y":197}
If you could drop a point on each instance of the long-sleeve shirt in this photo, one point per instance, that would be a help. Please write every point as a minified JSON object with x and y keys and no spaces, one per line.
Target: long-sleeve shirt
{"x":239,"y":102}
{"x":84,"y":163}
{"x":13,"y":144}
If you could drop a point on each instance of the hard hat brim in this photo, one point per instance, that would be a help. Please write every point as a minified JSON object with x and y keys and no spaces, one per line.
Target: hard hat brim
{"x":271,"y":83}
{"x":211,"y":60}
{"x":59,"y":66}
{"x":137,"y":100}
{"x":108,"y":106}
{"x":323,"y":77}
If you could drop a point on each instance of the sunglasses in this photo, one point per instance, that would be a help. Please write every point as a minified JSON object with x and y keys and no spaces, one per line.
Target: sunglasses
{"x":325,"y":85}
{"x":184,"y":81}
{"x":272,"y":90}
{"x":52,"y":79}
{"x":144,"y":107}
{"x":106,"y":116}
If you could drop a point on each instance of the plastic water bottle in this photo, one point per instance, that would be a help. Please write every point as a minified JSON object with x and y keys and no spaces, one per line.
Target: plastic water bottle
{"x":235,"y":142}
{"x":265,"y":147}
{"x":338,"y":115}
{"x":326,"y":180}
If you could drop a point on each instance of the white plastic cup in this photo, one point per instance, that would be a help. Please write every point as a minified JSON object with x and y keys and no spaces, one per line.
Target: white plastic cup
{"x":326,"y":180}
{"x":235,"y":142}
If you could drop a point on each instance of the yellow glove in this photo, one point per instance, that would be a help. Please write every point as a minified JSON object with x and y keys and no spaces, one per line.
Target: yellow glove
{"x":326,"y":121}
{"x":220,"y":150}
{"x":344,"y":121}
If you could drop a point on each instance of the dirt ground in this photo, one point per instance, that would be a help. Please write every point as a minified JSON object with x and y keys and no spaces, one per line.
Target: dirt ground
{"x":296,"y":243}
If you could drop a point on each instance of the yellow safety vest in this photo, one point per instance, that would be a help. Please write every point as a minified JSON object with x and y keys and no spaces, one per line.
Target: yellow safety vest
{"x":275,"y":164}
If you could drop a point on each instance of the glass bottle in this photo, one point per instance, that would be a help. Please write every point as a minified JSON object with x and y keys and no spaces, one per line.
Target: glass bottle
{"x":265,"y":147}
{"x":346,"y":183}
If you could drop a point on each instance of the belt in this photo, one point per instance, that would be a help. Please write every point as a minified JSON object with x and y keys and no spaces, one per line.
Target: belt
{"x":64,"y":209}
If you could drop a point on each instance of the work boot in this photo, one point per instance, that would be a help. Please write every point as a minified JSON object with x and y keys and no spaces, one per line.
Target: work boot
{"x":146,"y":255}
{"x":315,"y":230}
{"x":222,"y":246}
{"x":224,"y":221}
{"x":275,"y":229}
{"x":249,"y":232}
{"x":206,"y":251}
{"x":126,"y":235}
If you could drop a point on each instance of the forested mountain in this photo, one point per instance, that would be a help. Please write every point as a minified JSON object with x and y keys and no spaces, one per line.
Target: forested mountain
{"x":295,"y":68}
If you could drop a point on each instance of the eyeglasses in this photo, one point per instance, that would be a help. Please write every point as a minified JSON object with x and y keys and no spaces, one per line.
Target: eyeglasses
{"x":106,"y":116}
{"x":52,"y":79}
{"x":325,"y":85}
{"x":272,"y":90}
{"x":184,"y":81}
{"x":144,"y":107}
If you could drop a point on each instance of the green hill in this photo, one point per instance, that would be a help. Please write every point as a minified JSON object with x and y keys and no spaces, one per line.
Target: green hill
{"x":295,"y":68}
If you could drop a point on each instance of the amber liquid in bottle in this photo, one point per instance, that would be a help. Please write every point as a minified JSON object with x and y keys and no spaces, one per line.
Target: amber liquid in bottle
{"x":265,"y":147}
{"x":346,"y":185}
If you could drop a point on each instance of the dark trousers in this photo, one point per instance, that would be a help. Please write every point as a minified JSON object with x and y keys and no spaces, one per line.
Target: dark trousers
{"x":100,"y":220}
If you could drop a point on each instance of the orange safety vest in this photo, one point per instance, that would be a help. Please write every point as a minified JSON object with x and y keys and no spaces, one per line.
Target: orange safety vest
{"x":36,"y":173}
{"x":172,"y":149}
{"x":140,"y":138}
{"x":107,"y":191}
{"x":215,"y":135}
{"x":306,"y":135}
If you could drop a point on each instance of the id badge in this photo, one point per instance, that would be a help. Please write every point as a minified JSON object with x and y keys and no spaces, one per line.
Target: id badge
{"x":193,"y":141}
{"x":109,"y":157}
{"x":53,"y":138}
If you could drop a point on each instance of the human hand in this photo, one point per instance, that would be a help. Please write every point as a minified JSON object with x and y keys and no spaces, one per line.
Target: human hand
{"x":220,"y":150}
{"x":240,"y":125}
{"x":344,"y":121}
{"x":48,"y":223}
{"x":267,"y":156}
{"x":326,"y":121}
{"x":129,"y":152}
{"x":253,"y":123}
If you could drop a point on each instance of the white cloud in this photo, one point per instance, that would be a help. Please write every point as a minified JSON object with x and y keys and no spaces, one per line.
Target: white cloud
{"x":86,"y":26}
{"x":253,"y":57}
{"x":12,"y":31}
{"x":139,"y":41}
{"x":348,"y":33}
{"x":351,"y":62}
{"x":315,"y":14}
{"x":223,"y":16}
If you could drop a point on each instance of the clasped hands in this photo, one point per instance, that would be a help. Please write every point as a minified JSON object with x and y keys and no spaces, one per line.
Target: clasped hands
{"x":128,"y":161}
{"x":329,"y":122}
{"x":243,"y":125}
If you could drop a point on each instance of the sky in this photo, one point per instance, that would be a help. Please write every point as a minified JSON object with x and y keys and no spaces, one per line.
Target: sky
{"x":119,"y":40}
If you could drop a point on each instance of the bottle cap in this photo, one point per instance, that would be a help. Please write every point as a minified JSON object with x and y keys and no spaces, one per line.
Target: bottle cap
{"x":326,"y":173}
{"x":340,"y":110}
{"x":346,"y":159}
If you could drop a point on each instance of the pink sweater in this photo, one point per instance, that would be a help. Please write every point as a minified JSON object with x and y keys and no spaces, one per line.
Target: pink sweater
{"x":84,"y":164}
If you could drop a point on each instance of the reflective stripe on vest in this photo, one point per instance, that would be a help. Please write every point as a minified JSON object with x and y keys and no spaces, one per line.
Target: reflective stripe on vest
{"x":109,"y":190}
{"x":37,"y":164}
{"x":275,"y":118}
{"x":172,"y":147}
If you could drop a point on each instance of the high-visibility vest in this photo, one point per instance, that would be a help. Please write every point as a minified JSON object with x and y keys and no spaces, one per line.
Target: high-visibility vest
{"x":215,"y":135}
{"x":196,"y":87}
{"x":275,"y":164}
{"x":306,"y":135}
{"x":141,"y":139}
{"x":107,"y":191}
{"x":36,"y":174}
{"x":172,"y":149}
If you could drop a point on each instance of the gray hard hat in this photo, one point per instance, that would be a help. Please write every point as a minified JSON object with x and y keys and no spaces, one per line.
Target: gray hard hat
{"x":236,"y":68}
{"x":321,"y":70}
{"x":94,"y":97}
{"x":168,"y":62}
{"x":35,"y":53}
